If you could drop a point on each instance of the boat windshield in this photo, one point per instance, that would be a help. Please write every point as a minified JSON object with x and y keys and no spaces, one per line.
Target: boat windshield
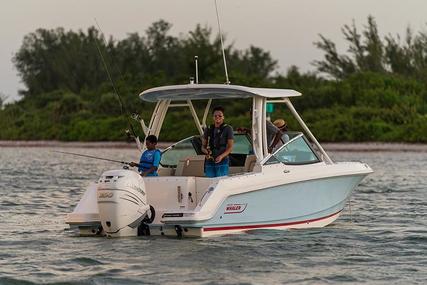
{"x":191,"y":147}
{"x":180,"y":150}
{"x":296,"y":151}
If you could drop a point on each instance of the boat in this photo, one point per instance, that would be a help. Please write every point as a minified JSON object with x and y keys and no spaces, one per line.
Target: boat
{"x":297,"y":186}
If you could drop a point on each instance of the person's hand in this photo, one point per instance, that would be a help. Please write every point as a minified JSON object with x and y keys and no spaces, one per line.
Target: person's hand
{"x":218,"y":159}
{"x":208,"y":154}
{"x":133,"y":164}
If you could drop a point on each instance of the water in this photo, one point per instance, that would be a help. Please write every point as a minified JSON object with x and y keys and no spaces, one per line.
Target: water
{"x":384,"y":241}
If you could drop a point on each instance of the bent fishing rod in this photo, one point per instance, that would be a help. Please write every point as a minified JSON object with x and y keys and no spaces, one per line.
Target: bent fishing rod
{"x":93,"y":157}
{"x":123,"y":109}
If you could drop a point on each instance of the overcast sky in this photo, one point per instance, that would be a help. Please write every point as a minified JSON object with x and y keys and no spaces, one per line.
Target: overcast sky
{"x":286,"y":28}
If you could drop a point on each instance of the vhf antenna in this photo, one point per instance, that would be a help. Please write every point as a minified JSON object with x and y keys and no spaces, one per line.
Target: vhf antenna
{"x":222,"y":45}
{"x":197,"y":69}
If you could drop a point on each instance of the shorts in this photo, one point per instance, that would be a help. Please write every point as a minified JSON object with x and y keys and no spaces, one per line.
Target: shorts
{"x":213,"y":169}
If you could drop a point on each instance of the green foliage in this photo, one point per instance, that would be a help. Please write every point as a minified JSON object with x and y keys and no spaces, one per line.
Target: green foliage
{"x":376,"y":91}
{"x":367,"y":52}
{"x":69,"y":96}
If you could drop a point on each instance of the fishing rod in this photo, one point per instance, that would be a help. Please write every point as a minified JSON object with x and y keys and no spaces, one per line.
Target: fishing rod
{"x":93,"y":157}
{"x":122,"y":105}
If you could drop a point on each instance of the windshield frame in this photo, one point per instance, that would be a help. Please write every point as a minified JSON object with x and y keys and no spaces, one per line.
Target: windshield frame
{"x":265,"y":161}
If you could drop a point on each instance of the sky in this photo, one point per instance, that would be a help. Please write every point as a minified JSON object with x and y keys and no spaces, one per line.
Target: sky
{"x":286,"y":28}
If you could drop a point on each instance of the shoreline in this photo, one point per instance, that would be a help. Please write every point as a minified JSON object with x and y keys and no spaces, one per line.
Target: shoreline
{"x":344,"y":146}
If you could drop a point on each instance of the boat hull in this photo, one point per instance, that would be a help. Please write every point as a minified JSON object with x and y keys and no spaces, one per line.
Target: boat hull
{"x":188,"y":230}
{"x":269,"y":200}
{"x":307,"y":204}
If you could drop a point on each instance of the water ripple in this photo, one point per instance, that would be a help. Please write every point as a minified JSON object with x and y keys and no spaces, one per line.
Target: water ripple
{"x":384,"y":240}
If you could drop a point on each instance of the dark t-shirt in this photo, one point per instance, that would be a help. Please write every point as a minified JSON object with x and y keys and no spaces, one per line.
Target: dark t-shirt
{"x":271,"y":132}
{"x":219,"y":139}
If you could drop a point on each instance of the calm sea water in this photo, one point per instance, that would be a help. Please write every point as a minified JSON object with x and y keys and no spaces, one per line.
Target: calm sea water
{"x":383,"y":241}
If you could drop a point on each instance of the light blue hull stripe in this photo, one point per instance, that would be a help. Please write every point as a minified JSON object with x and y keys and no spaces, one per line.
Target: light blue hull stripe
{"x":286,"y":204}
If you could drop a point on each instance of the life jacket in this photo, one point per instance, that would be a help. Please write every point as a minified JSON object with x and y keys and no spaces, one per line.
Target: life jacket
{"x":215,"y":140}
{"x":147,"y":159}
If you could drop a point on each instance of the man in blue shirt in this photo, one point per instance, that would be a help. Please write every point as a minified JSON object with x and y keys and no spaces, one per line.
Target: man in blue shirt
{"x":150,"y":159}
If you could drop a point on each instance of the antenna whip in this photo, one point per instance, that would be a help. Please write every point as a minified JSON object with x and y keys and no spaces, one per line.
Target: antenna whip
{"x":222,"y":45}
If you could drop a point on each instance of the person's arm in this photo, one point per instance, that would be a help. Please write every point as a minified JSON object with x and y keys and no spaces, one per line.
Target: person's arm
{"x":152,"y":169}
{"x":227,"y":151}
{"x":276,"y":139}
{"x":135,"y":164}
{"x":229,"y":148}
{"x":204,"y":148}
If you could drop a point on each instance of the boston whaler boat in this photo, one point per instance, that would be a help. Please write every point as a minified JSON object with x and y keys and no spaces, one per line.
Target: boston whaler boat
{"x":297,"y":186}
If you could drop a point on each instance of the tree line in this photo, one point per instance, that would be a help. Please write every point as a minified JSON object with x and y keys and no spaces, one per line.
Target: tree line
{"x":374,"y":91}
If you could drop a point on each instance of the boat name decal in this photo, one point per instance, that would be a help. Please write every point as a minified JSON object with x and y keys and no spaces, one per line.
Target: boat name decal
{"x":234,"y":208}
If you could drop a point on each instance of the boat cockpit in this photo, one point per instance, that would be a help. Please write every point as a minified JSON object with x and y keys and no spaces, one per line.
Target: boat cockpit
{"x":250,"y":153}
{"x":185,"y":157}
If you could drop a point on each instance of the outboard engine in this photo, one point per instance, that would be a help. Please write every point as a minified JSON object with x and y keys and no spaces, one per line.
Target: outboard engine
{"x":122,"y":202}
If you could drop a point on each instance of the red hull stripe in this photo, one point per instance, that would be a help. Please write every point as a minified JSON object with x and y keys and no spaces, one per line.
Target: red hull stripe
{"x":267,"y":225}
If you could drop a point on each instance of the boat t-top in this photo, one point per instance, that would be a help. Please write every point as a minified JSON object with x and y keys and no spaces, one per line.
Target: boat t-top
{"x":296,"y":186}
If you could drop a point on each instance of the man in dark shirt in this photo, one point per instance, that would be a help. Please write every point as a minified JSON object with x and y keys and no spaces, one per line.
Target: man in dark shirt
{"x":217,"y":144}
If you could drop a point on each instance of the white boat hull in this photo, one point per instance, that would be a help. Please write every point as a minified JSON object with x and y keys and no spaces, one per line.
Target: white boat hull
{"x":308,"y":204}
{"x":249,"y":202}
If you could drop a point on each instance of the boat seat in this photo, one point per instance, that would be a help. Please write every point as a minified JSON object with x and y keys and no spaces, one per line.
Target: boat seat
{"x":191,"y":166}
{"x":250,"y":163}
{"x":166,"y":171}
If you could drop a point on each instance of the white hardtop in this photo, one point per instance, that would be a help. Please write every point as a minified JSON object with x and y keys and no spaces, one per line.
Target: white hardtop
{"x":212,"y":91}
{"x":183,"y":95}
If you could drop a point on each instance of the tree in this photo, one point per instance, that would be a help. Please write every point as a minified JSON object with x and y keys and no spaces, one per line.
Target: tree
{"x":367,"y":52}
{"x":3,"y":98}
{"x":54,"y":59}
{"x":68,"y":94}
